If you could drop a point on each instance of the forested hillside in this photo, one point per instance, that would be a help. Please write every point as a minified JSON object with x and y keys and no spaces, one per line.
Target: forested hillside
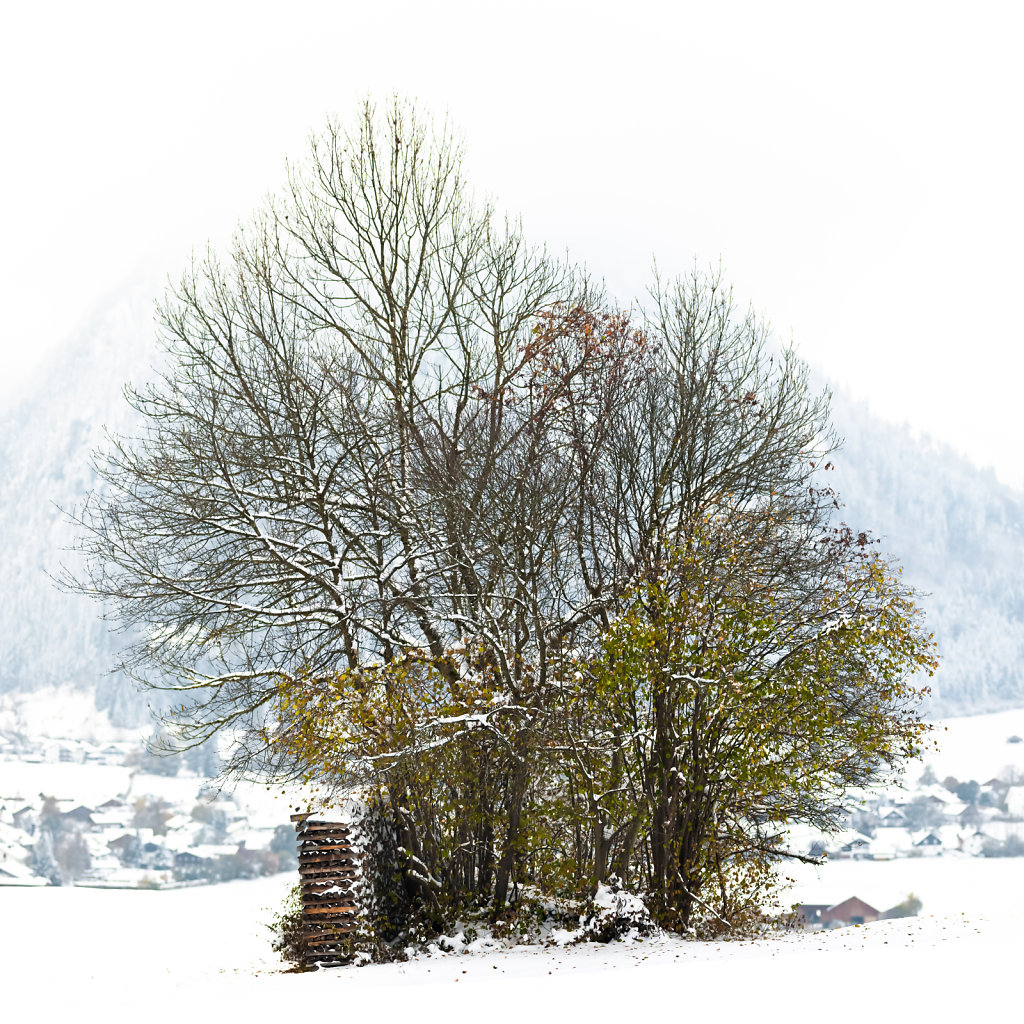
{"x":960,"y":535}
{"x":48,"y":637}
{"x":957,"y":530}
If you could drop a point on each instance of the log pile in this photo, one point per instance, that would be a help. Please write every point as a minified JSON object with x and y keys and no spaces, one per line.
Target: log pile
{"x":329,"y":872}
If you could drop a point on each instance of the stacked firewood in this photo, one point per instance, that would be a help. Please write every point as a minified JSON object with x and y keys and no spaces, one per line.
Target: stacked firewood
{"x":329,"y":871}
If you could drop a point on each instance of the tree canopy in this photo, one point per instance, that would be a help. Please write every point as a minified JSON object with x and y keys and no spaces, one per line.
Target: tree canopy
{"x":416,"y":506}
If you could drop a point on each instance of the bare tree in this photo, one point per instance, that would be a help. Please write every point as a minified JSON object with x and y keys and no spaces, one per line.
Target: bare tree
{"x":353,"y":455}
{"x":322,"y":406}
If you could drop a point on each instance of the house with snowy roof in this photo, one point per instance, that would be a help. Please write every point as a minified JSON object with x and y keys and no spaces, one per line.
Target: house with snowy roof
{"x":893,"y":818}
{"x":888,"y":845}
{"x":929,"y":844}
{"x":1015,"y":801}
{"x":80,"y":815}
{"x":25,"y":819}
{"x":14,"y":872}
{"x":850,"y":845}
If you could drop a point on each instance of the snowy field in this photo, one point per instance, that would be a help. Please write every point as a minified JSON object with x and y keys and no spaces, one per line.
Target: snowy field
{"x":202,"y":954}
{"x":56,"y":713}
{"x":976,"y":747}
{"x":951,"y":885}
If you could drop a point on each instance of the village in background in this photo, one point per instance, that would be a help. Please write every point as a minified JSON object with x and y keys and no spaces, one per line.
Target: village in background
{"x":85,"y":803}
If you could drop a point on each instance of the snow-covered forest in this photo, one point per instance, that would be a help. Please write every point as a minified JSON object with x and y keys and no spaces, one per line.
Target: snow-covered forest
{"x":52,"y":638}
{"x":958,"y":532}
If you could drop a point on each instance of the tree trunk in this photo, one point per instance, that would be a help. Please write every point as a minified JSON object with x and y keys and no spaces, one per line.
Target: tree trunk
{"x":517,"y":793}
{"x":620,"y":866}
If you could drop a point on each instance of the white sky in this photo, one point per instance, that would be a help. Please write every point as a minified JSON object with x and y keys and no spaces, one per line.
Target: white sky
{"x":857,"y":168}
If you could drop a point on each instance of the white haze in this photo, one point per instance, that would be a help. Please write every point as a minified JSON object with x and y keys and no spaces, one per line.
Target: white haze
{"x":857,"y":171}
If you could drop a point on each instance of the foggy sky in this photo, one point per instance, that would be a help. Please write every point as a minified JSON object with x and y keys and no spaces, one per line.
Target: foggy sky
{"x":857,"y":171}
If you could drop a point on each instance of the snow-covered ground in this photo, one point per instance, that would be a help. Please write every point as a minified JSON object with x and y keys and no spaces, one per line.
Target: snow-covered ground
{"x":58,"y":712}
{"x":977,"y":747}
{"x":74,"y":953}
{"x":202,"y":954}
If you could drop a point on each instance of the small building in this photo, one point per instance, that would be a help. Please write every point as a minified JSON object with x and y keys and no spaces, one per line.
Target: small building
{"x":189,"y":866}
{"x":156,"y":856}
{"x":851,"y":911}
{"x":13,"y":872}
{"x":25,"y":819}
{"x":1015,"y":801}
{"x":853,"y":846}
{"x":809,"y":914}
{"x":80,"y":815}
{"x":126,"y":848}
{"x":888,"y":846}
{"x":893,"y":818}
{"x":971,"y":816}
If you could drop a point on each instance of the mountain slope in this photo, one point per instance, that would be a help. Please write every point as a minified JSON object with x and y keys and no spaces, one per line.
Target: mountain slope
{"x":959,"y":533}
{"x":48,"y":637}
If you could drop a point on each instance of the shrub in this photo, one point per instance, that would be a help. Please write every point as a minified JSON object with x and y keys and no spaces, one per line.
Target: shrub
{"x":286,"y":927}
{"x":1013,"y":846}
{"x":615,"y":914}
{"x":908,"y":908}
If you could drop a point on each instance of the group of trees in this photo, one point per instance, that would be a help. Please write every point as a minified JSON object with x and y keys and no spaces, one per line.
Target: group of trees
{"x":413,"y":506}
